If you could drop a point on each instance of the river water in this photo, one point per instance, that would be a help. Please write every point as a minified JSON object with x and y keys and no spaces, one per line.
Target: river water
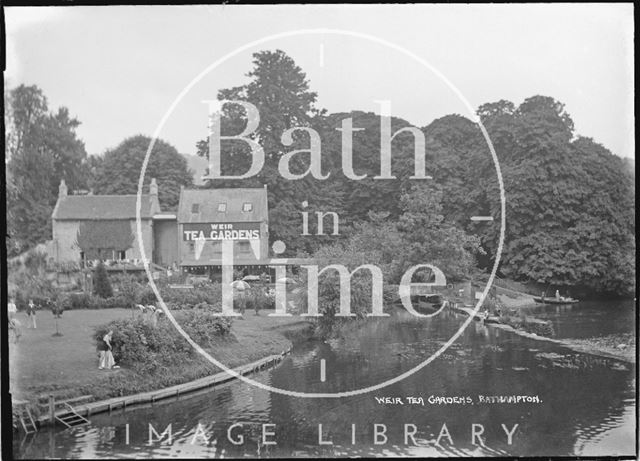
{"x":585,"y":404}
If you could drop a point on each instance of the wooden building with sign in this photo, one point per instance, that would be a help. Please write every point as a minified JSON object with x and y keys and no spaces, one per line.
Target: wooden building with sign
{"x":208,"y":217}
{"x":189,"y":239}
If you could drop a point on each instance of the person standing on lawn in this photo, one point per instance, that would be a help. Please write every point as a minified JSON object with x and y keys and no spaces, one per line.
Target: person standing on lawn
{"x":31,"y":313}
{"x":106,"y":357}
{"x":14,"y":325}
{"x":11,"y":309}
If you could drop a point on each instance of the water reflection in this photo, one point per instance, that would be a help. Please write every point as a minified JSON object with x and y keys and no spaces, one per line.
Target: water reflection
{"x":587,"y":403}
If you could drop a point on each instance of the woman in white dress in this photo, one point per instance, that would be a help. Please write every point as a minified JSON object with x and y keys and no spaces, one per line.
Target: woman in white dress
{"x":106,"y":357}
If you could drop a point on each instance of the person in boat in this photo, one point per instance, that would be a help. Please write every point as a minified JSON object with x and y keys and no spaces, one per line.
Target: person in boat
{"x":558,"y":297}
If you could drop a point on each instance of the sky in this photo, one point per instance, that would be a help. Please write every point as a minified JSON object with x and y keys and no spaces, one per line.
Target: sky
{"x":119,"y":69}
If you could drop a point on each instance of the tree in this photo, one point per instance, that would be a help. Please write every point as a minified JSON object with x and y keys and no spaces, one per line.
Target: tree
{"x":568,"y":199}
{"x":421,"y":235}
{"x":101,"y":284}
{"x":428,"y":238}
{"x":119,"y":170}
{"x":42,"y":149}
{"x":280,"y":91}
{"x":358,"y":197}
{"x":351,"y":254}
{"x":91,"y":168}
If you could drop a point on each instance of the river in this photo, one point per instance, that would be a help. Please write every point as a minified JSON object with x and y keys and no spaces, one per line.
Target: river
{"x":585,"y":404}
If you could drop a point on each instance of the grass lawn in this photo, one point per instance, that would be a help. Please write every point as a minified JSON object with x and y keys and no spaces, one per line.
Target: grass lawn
{"x":67,"y":366}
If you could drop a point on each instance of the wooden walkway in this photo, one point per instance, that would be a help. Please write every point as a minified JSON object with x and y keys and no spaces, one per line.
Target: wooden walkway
{"x":152,"y":396}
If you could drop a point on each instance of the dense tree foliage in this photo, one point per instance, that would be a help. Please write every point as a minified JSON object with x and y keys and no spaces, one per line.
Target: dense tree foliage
{"x":41,"y":149}
{"x":429,"y":237}
{"x":420,"y":235}
{"x":358,"y":197}
{"x":119,"y":170}
{"x":569,"y":201}
{"x":279,"y":90}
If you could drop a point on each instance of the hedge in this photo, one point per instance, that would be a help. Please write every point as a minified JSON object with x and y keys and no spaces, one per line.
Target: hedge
{"x":140,"y":344}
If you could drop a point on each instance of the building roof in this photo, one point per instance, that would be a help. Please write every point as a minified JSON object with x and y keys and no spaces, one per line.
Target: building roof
{"x":202,"y":205}
{"x":103,"y":207}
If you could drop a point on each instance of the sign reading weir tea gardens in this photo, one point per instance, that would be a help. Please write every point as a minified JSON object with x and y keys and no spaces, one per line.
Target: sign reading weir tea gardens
{"x":221,"y":231}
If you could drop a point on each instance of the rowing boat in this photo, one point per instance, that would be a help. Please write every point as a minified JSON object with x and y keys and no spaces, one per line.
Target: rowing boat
{"x":555,"y":301}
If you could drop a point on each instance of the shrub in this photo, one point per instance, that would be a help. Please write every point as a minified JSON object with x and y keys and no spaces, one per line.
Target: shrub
{"x":119,"y":279}
{"x":176,"y":277}
{"x":40,"y":301}
{"x":35,"y":261}
{"x":31,"y":287}
{"x":79,"y":300}
{"x":204,"y":327}
{"x":146,"y":296}
{"x":256,"y":299}
{"x":63,"y":303}
{"x":329,"y":324}
{"x":101,"y":284}
{"x":173,"y":306}
{"x":138,"y":343}
{"x":208,"y":307}
{"x":239,"y":304}
{"x":87,"y":301}
{"x":96,"y":302}
{"x":189,"y":298}
{"x":127,"y":286}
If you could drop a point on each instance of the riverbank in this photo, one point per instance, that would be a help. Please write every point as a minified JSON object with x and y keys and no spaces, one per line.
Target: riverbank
{"x":600,"y":346}
{"x":621,"y":345}
{"x":173,"y":392}
{"x":513,"y":301}
{"x":67,"y":366}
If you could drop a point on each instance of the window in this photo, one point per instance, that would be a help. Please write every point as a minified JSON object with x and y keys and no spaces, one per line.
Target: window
{"x":195,"y":208}
{"x":244,"y":247}
{"x":246,"y":207}
{"x":122,"y":255}
{"x":222,"y":207}
{"x":198,"y":270}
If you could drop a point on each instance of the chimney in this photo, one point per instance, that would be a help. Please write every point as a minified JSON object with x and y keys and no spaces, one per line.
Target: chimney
{"x":153,"y":187}
{"x":62,"y":189}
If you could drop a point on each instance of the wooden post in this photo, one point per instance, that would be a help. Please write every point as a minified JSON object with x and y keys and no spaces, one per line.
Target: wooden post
{"x":52,"y":409}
